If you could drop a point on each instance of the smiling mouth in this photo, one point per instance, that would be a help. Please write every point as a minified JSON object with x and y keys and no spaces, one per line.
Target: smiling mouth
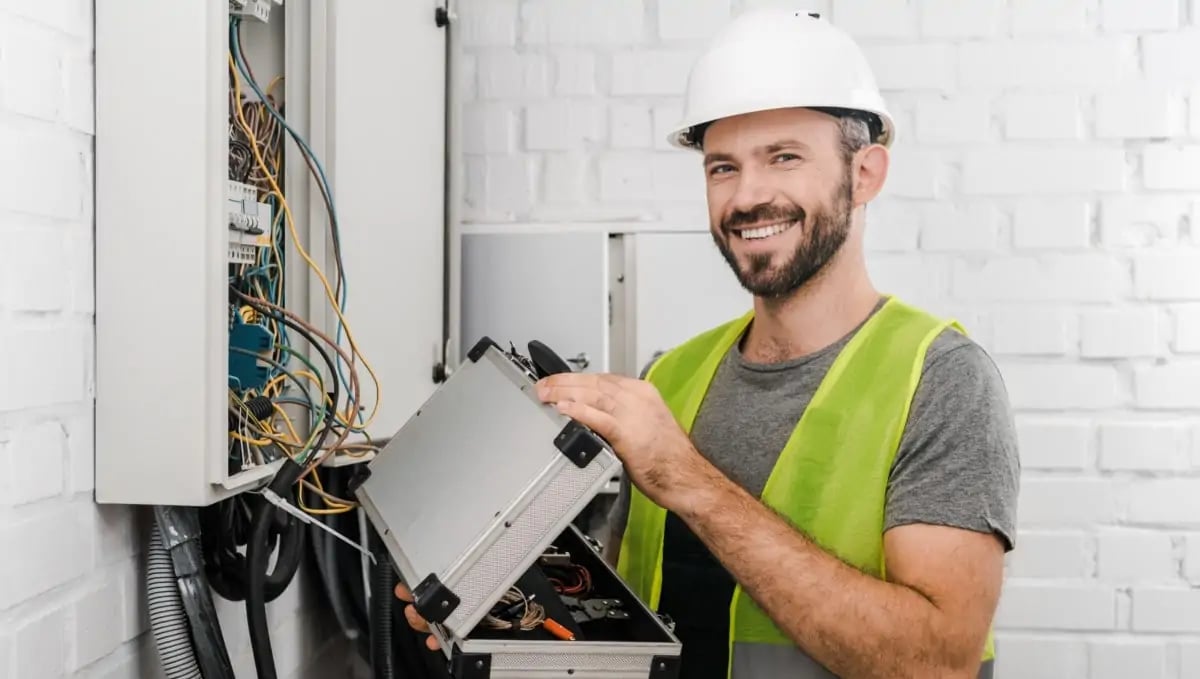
{"x":764,"y":232}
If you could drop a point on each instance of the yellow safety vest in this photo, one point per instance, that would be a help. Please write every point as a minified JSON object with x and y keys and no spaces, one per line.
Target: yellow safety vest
{"x":831,"y":478}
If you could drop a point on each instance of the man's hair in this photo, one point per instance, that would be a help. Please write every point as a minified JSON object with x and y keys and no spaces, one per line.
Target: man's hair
{"x":855,"y":136}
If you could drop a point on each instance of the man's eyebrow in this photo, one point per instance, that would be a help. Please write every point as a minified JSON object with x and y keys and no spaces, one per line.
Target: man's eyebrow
{"x":773,"y":147}
{"x":785,"y":144}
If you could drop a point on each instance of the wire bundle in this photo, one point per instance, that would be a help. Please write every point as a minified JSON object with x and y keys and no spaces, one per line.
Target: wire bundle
{"x":311,"y":401}
{"x":573,"y":580}
{"x":331,"y":398}
{"x":503,"y":615}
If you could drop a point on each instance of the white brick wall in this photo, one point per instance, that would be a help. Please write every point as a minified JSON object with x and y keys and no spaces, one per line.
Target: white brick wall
{"x":71,"y":587}
{"x":1044,"y":182}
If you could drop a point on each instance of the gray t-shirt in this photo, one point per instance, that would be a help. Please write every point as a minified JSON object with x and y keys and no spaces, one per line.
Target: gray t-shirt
{"x":957,"y":464}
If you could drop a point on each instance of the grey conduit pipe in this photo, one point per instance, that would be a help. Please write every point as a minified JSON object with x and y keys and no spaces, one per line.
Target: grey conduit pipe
{"x":168,"y":619}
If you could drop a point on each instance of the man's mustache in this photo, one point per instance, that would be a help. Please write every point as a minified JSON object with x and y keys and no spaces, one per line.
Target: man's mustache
{"x":761,"y":215}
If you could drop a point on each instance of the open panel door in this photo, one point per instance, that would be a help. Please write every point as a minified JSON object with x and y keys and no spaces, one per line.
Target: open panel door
{"x":390,"y":149}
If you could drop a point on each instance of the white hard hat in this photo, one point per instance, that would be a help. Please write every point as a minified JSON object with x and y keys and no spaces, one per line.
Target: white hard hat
{"x":778,"y":57}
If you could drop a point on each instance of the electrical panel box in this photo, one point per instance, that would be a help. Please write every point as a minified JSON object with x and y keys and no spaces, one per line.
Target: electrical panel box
{"x":218,"y":290}
{"x":475,"y":498}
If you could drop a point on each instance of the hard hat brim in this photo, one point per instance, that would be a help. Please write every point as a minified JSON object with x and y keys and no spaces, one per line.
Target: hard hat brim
{"x":681,"y":135}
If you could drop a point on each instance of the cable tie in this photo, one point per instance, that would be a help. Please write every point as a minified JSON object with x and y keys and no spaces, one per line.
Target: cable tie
{"x":274,"y":499}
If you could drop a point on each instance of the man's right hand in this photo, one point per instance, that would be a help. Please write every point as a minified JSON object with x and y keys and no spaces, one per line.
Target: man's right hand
{"x":414,"y":619}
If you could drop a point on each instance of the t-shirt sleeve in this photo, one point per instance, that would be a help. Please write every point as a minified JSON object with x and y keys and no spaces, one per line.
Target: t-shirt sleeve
{"x":958,"y":463}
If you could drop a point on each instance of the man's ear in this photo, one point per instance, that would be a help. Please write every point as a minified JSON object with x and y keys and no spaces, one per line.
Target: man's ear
{"x":871,"y":168}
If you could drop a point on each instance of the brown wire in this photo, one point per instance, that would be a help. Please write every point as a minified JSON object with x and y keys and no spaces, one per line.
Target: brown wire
{"x":353,"y":395}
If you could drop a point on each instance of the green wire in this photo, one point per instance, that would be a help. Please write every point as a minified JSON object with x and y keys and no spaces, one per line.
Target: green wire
{"x":320,"y":419}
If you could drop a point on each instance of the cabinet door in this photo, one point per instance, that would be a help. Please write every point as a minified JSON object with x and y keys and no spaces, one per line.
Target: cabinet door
{"x":682,"y":287}
{"x":551,"y":287}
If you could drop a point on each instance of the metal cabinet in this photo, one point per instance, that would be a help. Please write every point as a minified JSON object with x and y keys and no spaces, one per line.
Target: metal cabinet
{"x":552,"y":287}
{"x":606,"y":299}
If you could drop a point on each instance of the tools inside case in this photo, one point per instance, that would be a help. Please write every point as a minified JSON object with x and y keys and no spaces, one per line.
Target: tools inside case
{"x":570,"y":594}
{"x":475,"y":498}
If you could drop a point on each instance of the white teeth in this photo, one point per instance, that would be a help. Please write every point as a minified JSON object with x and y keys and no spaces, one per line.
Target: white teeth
{"x":764,"y":231}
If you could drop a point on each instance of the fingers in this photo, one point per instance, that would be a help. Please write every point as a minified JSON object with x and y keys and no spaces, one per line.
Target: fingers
{"x":418,"y":623}
{"x":591,"y":417}
{"x":602,"y":382}
{"x":402,"y":593}
{"x":603,"y":392}
{"x":415,"y":620}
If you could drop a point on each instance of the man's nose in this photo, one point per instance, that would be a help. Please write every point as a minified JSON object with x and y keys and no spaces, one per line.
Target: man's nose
{"x":752,"y":192}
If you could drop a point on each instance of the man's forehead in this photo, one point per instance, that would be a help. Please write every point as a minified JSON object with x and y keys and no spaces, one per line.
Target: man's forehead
{"x":761,"y":129}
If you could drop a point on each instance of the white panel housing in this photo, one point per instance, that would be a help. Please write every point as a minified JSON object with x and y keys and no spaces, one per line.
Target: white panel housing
{"x":162,"y":237}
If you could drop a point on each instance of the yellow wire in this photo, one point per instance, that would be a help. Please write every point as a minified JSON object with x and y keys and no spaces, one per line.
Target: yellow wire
{"x":332,"y":507}
{"x":287,"y":420}
{"x":237,"y":82}
{"x":253,"y":442}
{"x":274,"y":81}
{"x":273,"y":384}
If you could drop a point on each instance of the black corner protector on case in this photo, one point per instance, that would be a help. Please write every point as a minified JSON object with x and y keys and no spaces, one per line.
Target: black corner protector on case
{"x":470,"y":665}
{"x":664,"y":667}
{"x":580,"y":444}
{"x":357,"y":477}
{"x":433,"y":600}
{"x":480,"y":347}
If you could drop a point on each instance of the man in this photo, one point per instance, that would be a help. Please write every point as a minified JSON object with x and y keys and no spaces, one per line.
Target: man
{"x":826,"y":486}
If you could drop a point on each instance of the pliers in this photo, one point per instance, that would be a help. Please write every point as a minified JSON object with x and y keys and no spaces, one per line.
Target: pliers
{"x":585,"y":610}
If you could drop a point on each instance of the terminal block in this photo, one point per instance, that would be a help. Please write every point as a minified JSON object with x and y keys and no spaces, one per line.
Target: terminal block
{"x":249,"y":222}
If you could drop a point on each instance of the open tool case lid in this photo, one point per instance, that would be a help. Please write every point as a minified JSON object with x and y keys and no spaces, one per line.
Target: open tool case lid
{"x":475,"y":487}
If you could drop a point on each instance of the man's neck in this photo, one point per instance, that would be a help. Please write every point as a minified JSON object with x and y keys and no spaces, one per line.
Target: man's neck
{"x":822,"y":312}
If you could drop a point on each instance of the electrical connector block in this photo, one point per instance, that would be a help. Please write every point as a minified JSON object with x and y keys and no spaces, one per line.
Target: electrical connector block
{"x":256,"y":9}
{"x":245,"y":372}
{"x":249,"y":222}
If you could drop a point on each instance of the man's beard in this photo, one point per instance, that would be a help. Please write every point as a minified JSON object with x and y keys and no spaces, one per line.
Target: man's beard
{"x":820,"y":239}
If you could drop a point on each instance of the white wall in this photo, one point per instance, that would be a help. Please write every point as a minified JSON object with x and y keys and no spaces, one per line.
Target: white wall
{"x":71,"y":602}
{"x":1054,"y":208}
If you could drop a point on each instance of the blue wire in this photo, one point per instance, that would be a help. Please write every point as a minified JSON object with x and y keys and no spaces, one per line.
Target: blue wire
{"x":239,"y":61}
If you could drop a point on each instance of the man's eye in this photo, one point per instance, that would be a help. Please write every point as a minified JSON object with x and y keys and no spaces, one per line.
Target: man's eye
{"x":784,"y":157}
{"x":720,"y":169}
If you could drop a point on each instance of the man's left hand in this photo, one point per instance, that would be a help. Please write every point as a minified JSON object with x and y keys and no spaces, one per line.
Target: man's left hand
{"x":632,"y":416}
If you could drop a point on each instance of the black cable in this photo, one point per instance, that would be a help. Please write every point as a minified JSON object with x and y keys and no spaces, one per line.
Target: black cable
{"x":225,"y":526}
{"x":383,"y":584}
{"x":331,"y":413}
{"x":258,"y":554}
{"x":180,"y":541}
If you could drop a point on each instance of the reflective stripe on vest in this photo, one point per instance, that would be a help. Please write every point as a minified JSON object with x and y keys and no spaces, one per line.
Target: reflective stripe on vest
{"x":831,"y":477}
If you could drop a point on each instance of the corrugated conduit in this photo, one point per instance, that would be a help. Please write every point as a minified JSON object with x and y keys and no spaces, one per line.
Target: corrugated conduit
{"x":168,"y":619}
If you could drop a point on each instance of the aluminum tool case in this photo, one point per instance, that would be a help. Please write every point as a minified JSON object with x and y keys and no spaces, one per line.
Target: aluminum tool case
{"x":472,"y":492}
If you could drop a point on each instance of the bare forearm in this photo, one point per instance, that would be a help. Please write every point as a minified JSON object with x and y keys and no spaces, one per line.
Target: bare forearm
{"x":856,"y":625}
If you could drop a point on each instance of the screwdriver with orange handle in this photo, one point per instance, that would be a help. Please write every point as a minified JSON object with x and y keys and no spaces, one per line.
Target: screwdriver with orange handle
{"x":558,"y":630}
